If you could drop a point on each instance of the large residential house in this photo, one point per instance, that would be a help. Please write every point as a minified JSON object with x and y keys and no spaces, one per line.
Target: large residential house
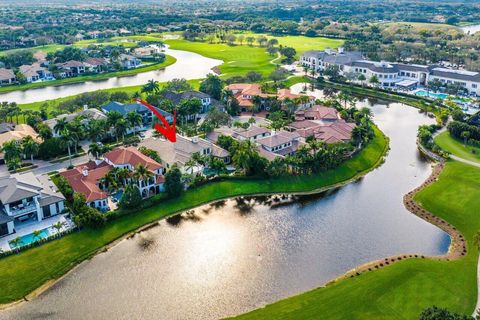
{"x":323,"y":123}
{"x":129,"y":61}
{"x":247,"y":93}
{"x":7,"y":76}
{"x":147,"y":115}
{"x":72,"y":68}
{"x":278,"y":144}
{"x":390,"y":74}
{"x":88,"y":178}
{"x":35,"y":72}
{"x":87,"y":114}
{"x":207,"y":101}
{"x":146,"y":52}
{"x":97,"y":65}
{"x":25,"y":200}
{"x":252,"y":133}
{"x":20,"y":131}
{"x":182,"y":150}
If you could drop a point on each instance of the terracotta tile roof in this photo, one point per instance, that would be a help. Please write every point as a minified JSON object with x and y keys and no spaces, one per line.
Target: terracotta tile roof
{"x":87,"y":184}
{"x":132,"y":156}
{"x":318,"y":113}
{"x":6,"y":74}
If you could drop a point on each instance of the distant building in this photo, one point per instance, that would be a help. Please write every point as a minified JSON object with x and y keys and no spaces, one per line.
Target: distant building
{"x":390,"y":74}
{"x":129,"y":61}
{"x":25,"y":200}
{"x":7,"y":76}
{"x":87,"y":114}
{"x":72,"y":68}
{"x":35,"y":72}
{"x":322,"y":123}
{"x":97,"y":65}
{"x":205,"y":99}
{"x":147,"y":115}
{"x":247,"y":93}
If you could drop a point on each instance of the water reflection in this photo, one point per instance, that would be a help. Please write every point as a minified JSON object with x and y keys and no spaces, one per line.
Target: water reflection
{"x":189,"y":65}
{"x":232,"y":256}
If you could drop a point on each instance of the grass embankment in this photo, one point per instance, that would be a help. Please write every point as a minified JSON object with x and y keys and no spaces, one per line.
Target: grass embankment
{"x":404,"y":289}
{"x":169,"y":60}
{"x":412,"y":101}
{"x":195,"y":83}
{"x":445,"y":141}
{"x":300,"y":43}
{"x":22,"y":273}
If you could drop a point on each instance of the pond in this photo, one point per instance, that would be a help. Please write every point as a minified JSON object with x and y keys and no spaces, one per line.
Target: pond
{"x":471,"y":29}
{"x":237,"y":255}
{"x":189,"y":66}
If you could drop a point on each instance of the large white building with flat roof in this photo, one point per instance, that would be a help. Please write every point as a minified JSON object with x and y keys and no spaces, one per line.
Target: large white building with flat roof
{"x":390,"y":74}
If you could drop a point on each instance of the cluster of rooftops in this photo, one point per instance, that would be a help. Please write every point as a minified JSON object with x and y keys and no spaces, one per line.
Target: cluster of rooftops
{"x":390,"y":73}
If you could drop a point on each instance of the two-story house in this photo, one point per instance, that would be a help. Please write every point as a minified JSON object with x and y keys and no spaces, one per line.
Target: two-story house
{"x":88,"y":178}
{"x":25,"y":200}
{"x":128,"y":61}
{"x":280,"y":144}
{"x":72,"y":68}
{"x":7,"y":76}
{"x":182,"y":150}
{"x":147,"y":115}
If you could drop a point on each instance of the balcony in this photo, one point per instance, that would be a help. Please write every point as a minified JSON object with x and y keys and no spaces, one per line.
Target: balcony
{"x":22,"y":209}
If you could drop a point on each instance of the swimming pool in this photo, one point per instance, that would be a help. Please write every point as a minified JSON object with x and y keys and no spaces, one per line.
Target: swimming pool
{"x":424,"y":93}
{"x":29,"y":238}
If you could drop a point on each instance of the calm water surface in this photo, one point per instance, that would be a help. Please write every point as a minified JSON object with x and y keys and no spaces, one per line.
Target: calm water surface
{"x":189,"y":65}
{"x":234,"y":256}
{"x":471,"y":29}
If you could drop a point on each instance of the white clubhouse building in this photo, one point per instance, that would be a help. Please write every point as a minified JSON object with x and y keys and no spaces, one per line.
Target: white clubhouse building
{"x":390,"y":74}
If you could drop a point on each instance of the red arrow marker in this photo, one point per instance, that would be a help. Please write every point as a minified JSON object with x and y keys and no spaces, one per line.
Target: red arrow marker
{"x":170,"y":132}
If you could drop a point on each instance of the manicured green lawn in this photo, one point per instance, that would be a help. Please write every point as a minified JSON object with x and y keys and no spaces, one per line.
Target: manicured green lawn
{"x":238,"y":60}
{"x":46,"y":49}
{"x":456,"y":147}
{"x":195,"y":83}
{"x":22,"y":273}
{"x":101,"y":76}
{"x":300,"y":43}
{"x":404,"y":289}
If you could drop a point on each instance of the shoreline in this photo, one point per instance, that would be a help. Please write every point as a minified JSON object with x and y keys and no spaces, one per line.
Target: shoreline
{"x":169,"y":60}
{"x":50,"y":283}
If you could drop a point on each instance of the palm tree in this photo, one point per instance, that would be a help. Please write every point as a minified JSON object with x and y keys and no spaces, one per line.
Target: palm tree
{"x":96,"y":150}
{"x":465,"y":135}
{"x":12,"y":153}
{"x":17,"y":242}
{"x":58,"y":226}
{"x":97,"y":130}
{"x":122,"y":175}
{"x":113,"y":117}
{"x":36,"y":235}
{"x":142,"y":173}
{"x":14,"y":110}
{"x":67,"y":140}
{"x":134,"y":119}
{"x":61,"y":125}
{"x":366,"y":113}
{"x":151,"y":86}
{"x":189,"y":165}
{"x":30,"y":147}
{"x":121,"y":128}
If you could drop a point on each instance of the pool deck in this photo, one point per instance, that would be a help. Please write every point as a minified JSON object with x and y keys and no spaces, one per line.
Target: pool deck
{"x":30,"y":227}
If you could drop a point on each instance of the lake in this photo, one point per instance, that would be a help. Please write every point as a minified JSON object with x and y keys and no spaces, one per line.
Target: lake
{"x":189,"y":66}
{"x":237,"y":255}
{"x":471,"y":29}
